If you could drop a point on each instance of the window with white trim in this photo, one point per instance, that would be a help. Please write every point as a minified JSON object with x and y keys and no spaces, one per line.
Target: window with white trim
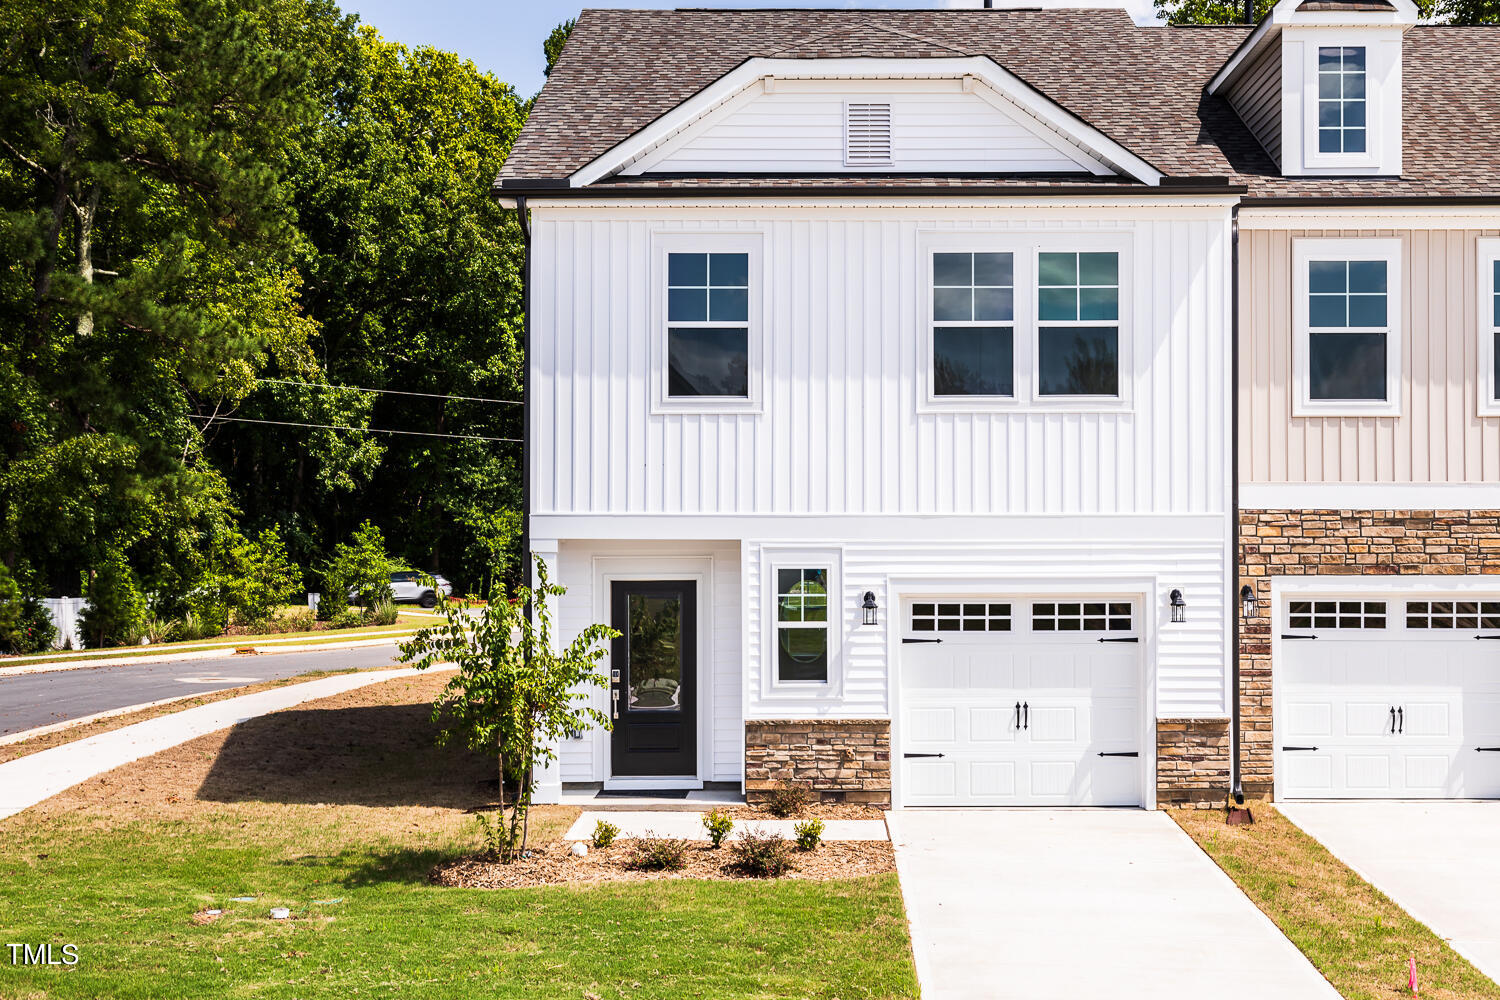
{"x":1342,"y":126}
{"x":708,"y":325}
{"x":973,"y":324}
{"x":1078,"y":316}
{"x":1489,"y":327}
{"x":1347,"y":346}
{"x":1337,"y":614}
{"x":1082,"y":616}
{"x":1033,"y":322}
{"x":802,"y":646}
{"x":960,"y":616}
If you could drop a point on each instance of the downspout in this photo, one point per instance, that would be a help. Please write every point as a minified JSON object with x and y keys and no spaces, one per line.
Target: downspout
{"x":525,"y":390}
{"x":1236,"y":789}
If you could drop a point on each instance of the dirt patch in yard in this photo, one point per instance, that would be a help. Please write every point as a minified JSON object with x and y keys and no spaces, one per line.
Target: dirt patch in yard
{"x":822,"y":810}
{"x":551,"y":864}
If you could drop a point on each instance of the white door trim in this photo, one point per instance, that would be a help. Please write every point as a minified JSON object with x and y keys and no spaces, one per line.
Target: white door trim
{"x":654,"y":566}
{"x":1142,"y":589}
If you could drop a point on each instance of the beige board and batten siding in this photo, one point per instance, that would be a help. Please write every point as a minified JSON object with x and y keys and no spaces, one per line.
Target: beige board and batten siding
{"x":842,"y":428}
{"x":1256,"y":98}
{"x":1438,"y":437}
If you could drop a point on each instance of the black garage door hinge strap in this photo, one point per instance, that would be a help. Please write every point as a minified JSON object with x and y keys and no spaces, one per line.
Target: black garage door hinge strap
{"x":1121,"y":753}
{"x":1487,"y":637}
{"x":1487,"y":749}
{"x":909,"y":756}
{"x":920,"y":640}
{"x":1127,"y":638}
{"x":1299,"y":748}
{"x":1286,"y":636}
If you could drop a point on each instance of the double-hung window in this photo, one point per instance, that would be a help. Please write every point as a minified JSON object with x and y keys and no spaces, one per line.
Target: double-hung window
{"x":1489,"y":327}
{"x":1342,"y":109}
{"x":802,"y":624}
{"x":1347,"y":344}
{"x":706,"y":315}
{"x":973,"y":332}
{"x":1078,"y":315}
{"x":1017,"y":322}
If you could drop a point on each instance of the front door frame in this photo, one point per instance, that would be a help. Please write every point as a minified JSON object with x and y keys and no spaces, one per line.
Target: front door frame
{"x":1140,"y":589}
{"x":648,"y":567}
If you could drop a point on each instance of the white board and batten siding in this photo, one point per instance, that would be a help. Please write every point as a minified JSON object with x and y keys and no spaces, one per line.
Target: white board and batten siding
{"x":842,"y":427}
{"x":799,"y":127}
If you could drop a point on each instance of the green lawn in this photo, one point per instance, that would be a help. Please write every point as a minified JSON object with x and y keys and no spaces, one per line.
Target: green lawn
{"x":351,"y":802}
{"x":1356,"y":936}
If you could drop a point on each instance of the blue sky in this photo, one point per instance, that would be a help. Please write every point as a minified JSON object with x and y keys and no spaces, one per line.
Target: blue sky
{"x":505,"y":36}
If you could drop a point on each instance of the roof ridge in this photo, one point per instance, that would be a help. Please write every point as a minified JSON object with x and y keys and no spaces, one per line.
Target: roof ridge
{"x":864,"y":23}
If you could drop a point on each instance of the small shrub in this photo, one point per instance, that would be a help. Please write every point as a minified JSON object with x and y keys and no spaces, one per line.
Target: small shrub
{"x":383,"y":612}
{"x":346,"y":618}
{"x":33,"y":631}
{"x":495,"y":834}
{"x":605,"y":833}
{"x":787,"y":800}
{"x":264,"y":577}
{"x":192,"y":627}
{"x":360,"y":565}
{"x":297,"y":621}
{"x":761,"y":854}
{"x":809,"y":834}
{"x":116,"y":610}
{"x":718,"y":824}
{"x":161,"y":630}
{"x":658,"y":854}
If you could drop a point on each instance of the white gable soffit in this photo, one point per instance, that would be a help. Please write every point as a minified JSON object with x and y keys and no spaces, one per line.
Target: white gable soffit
{"x":1285,"y":13}
{"x":1069,"y":134}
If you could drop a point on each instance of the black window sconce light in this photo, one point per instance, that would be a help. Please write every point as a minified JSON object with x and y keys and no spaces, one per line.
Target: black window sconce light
{"x":1179,"y":607}
{"x":870,"y":608}
{"x":1249,"y":603}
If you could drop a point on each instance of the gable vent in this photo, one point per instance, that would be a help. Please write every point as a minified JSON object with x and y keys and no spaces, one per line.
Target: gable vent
{"x":867,"y":134}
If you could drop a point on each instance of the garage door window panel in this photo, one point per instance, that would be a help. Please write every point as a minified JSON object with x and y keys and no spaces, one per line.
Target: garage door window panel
{"x":1337,"y":614}
{"x":1438,"y":615}
{"x":967,"y":616}
{"x":1081,"y":616}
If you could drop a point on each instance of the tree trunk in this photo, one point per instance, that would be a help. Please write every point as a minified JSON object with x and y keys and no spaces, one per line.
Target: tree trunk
{"x":85,"y":247}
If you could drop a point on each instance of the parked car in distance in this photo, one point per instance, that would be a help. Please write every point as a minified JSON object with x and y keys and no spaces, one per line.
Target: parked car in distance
{"x":409,"y":587}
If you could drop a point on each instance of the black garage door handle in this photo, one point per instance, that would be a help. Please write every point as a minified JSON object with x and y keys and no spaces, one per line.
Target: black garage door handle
{"x":1299,"y":748}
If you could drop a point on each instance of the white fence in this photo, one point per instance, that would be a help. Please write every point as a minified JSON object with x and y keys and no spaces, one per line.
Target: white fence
{"x":64,"y":612}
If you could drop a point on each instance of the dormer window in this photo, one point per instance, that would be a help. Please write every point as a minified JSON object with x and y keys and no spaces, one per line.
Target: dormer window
{"x":1341,"y":99}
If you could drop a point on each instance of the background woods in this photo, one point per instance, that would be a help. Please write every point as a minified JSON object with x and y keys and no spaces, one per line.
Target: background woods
{"x":221,"y":211}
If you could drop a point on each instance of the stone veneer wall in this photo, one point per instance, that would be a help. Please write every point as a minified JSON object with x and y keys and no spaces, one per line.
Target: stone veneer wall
{"x":839,"y":760}
{"x":1344,"y":543}
{"x":1192,"y":762}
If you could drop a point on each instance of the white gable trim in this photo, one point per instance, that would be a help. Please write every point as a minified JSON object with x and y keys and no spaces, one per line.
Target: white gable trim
{"x":1006,"y":91}
{"x":1285,"y":12}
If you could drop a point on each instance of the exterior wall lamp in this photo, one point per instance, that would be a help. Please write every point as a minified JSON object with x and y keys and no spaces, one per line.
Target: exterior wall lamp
{"x":1179,"y":607}
{"x":870,"y":608}
{"x":1249,"y":603}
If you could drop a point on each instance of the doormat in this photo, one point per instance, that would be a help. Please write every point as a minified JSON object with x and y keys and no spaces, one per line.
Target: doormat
{"x":664,"y":793}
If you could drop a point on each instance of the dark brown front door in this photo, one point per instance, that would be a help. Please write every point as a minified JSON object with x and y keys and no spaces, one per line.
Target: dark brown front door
{"x":654,"y":677}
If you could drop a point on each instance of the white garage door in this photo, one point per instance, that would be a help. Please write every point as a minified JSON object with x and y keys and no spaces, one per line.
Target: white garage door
{"x":1020,"y":701}
{"x":1390,"y":697}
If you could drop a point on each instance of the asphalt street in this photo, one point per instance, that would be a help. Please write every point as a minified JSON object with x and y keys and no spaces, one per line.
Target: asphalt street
{"x":31,"y":700}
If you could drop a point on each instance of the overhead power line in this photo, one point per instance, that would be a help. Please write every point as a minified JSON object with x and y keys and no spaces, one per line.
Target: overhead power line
{"x":361,"y":430}
{"x":392,"y":392}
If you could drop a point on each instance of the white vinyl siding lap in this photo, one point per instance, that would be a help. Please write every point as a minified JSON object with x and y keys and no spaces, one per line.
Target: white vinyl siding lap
{"x":841,"y":429}
{"x":1189,"y":658}
{"x":799,"y":132}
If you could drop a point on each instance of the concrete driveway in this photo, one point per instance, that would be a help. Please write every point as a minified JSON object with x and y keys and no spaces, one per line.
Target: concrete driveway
{"x":1069,"y":904}
{"x":1436,"y":860}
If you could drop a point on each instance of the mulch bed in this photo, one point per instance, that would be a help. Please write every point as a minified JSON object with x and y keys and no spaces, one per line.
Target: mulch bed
{"x":822,"y":810}
{"x":551,"y":864}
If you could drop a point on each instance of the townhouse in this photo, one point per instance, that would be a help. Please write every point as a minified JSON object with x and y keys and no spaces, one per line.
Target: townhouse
{"x":883,"y":370}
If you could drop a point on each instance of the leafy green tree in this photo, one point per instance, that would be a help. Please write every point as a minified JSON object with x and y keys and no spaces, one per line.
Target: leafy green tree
{"x":412,"y":273}
{"x":116,"y":611}
{"x":513,"y":695}
{"x":552,"y":48}
{"x":1460,"y":12}
{"x":360,"y":565}
{"x":146,"y":260}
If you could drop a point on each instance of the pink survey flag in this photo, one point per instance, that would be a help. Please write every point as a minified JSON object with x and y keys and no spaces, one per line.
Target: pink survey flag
{"x":1411,"y":974}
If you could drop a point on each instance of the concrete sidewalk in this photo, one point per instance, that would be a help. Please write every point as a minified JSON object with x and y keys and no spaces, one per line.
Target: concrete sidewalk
{"x":689,"y":826}
{"x":29,"y":780}
{"x":1041,"y":904}
{"x":1436,"y":860}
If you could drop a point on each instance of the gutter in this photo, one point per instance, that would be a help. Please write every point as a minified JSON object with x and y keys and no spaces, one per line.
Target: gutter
{"x":1236,"y":788}
{"x":525,"y":220}
{"x":511,"y":196}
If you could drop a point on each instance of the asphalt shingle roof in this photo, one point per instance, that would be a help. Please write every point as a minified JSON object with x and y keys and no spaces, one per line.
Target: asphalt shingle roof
{"x":1141,"y":86}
